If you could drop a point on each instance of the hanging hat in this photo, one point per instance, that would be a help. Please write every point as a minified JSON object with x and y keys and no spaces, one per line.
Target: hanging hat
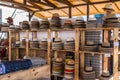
{"x":105,"y":73}
{"x":70,"y":39}
{"x":88,"y":68}
{"x":108,"y":7}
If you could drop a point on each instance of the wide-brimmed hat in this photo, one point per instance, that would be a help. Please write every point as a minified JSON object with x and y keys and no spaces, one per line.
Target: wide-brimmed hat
{"x":108,"y":7}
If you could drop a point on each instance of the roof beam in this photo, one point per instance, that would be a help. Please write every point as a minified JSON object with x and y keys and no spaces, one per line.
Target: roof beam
{"x":17,"y":3}
{"x":93,"y":3}
{"x":65,"y":2}
{"x":35,"y":5}
{"x":16,"y":7}
{"x":88,"y":1}
{"x":42,"y":3}
{"x":79,"y":10}
{"x":50,"y":3}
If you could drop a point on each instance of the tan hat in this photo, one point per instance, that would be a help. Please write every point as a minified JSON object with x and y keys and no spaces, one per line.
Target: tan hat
{"x":88,"y":68}
{"x":108,"y":7}
{"x":106,"y":73}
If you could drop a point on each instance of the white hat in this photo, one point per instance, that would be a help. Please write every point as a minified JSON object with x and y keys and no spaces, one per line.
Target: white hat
{"x":108,"y":7}
{"x":88,"y":68}
{"x":44,"y":39}
{"x":80,"y":18}
{"x":92,"y":19}
{"x":70,"y":39}
{"x":57,"y":39}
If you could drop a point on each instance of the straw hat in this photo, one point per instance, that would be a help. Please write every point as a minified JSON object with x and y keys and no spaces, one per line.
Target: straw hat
{"x":106,"y":44}
{"x":108,"y":7}
{"x":80,"y":18}
{"x":57,"y":39}
{"x":59,"y":60}
{"x":44,"y":39}
{"x":90,"y":42}
{"x":94,"y":19}
{"x":70,"y":39}
{"x":88,"y":68}
{"x":106,"y":73}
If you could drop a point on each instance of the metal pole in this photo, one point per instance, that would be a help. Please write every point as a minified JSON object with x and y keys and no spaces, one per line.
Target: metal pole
{"x":70,"y":12}
{"x":29,"y":16}
{"x":88,"y":10}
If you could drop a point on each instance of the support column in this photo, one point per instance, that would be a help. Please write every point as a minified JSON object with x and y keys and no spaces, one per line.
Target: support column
{"x":77,"y":54}
{"x":105,"y":63}
{"x":17,"y":49}
{"x":115,"y":55}
{"x":27,"y":43}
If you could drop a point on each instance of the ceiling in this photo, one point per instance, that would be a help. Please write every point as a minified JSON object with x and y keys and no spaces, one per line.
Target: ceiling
{"x":45,"y":8}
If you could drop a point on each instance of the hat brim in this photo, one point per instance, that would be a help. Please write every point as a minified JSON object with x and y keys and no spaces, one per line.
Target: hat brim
{"x":108,"y":9}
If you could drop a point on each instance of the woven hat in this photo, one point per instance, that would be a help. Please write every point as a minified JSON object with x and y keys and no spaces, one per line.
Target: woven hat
{"x":56,"y":15}
{"x":70,"y":39}
{"x":90,"y":19}
{"x":88,"y":68}
{"x":70,"y":61}
{"x":57,"y":39}
{"x":35,"y":39}
{"x":108,"y":7}
{"x":44,"y":39}
{"x":68,"y":21}
{"x":90,"y":43}
{"x":105,"y":73}
{"x":80,"y":18}
{"x":106,"y":44}
{"x":58,"y":59}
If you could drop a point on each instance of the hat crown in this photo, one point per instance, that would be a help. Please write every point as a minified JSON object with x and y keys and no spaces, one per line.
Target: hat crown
{"x":108,"y":6}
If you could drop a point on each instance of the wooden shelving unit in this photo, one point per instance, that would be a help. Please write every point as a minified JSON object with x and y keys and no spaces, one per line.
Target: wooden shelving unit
{"x":77,"y":51}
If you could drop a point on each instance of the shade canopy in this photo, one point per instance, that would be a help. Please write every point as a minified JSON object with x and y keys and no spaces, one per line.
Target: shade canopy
{"x":45,"y":8}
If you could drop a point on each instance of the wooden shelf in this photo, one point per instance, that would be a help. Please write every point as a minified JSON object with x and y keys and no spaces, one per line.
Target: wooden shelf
{"x":38,"y":49}
{"x":4,"y":47}
{"x":64,"y":50}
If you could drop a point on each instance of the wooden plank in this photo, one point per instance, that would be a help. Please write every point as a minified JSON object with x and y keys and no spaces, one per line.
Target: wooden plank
{"x":76,"y":54}
{"x":27,"y":43}
{"x":30,"y":74}
{"x":49,"y":47}
{"x":82,"y":55}
{"x":105,"y":62}
{"x":34,"y":37}
{"x":115,"y":55}
{"x":17,"y":49}
{"x":9,"y":55}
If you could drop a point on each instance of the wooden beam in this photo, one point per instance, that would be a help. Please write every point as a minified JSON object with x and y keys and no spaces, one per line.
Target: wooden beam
{"x":115,"y":55}
{"x":50,"y":3}
{"x":93,"y":3}
{"x":42,"y":3}
{"x":16,"y":7}
{"x":65,"y":12}
{"x":35,"y":5}
{"x":79,"y":10}
{"x":76,"y":54}
{"x":27,"y":43}
{"x":105,"y":62}
{"x":64,"y":2}
{"x":10,"y":44}
{"x":88,"y":1}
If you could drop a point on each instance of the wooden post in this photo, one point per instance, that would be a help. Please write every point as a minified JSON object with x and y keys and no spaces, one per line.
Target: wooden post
{"x":27,"y":43}
{"x":56,"y":36}
{"x":17,"y":49}
{"x":76,"y":54}
{"x":10,"y":44}
{"x":35,"y":37}
{"x":49,"y":51}
{"x":49,"y":48}
{"x":115,"y":55}
{"x":82,"y":54}
{"x":105,"y":63}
